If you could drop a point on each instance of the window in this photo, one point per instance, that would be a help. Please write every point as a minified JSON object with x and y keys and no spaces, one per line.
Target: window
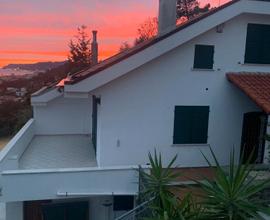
{"x":190,"y":124}
{"x":258,"y":44}
{"x":123,"y":203}
{"x":204,"y":57}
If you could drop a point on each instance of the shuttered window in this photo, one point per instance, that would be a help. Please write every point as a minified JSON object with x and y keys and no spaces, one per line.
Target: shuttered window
{"x":204,"y":57}
{"x":258,"y":44}
{"x":190,"y":124}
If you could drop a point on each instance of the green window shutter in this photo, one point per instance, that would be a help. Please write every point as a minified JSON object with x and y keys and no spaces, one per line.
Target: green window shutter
{"x":191,"y":124}
{"x":204,"y":57}
{"x":182,"y":125}
{"x":200,"y":118}
{"x":258,"y":44}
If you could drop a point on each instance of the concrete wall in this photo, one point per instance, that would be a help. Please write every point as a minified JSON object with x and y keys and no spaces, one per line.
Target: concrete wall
{"x":64,"y":116}
{"x":67,"y":183}
{"x":14,"y":211}
{"x":10,"y":155}
{"x":98,"y":210}
{"x":137,"y":110}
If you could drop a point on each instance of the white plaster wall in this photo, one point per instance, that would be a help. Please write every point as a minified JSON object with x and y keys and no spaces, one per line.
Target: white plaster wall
{"x":14,"y":211}
{"x":137,"y":110}
{"x":56,"y":184}
{"x":64,"y":116}
{"x":266,"y":158}
{"x":97,"y":210}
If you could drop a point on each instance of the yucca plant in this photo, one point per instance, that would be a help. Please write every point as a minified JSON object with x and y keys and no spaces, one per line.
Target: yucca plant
{"x":158,"y":185}
{"x":232,"y":194}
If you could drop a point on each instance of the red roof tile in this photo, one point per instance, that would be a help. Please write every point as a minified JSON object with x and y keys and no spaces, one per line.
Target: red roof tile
{"x":255,"y":85}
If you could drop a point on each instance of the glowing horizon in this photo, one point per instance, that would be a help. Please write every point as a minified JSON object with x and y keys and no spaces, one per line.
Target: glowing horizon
{"x":35,"y":31}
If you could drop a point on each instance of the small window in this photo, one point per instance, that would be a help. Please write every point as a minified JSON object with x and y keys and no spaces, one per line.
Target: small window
{"x":204,"y":57}
{"x":258,"y":44}
{"x":191,"y":124}
{"x":123,"y":203}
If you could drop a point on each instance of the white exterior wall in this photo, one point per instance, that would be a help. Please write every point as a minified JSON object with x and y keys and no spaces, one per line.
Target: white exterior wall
{"x":266,"y":158}
{"x":64,"y":116}
{"x":137,"y":110}
{"x":14,"y":211}
{"x":98,"y":211}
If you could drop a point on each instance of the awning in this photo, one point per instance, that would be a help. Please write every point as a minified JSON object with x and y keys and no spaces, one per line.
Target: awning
{"x":255,"y":85}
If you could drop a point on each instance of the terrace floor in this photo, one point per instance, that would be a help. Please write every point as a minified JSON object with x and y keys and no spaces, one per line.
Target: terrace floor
{"x":58,"y":151}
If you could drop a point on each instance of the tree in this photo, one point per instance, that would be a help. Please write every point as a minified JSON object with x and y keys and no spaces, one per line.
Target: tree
{"x":124,"y":46}
{"x":188,"y":9}
{"x":80,"y":50}
{"x":147,"y":30}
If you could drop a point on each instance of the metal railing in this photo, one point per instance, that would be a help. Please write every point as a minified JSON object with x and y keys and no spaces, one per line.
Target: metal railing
{"x":139,"y":212}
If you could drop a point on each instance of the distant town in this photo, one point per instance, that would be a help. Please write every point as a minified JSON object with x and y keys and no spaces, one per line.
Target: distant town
{"x":17,"y":83}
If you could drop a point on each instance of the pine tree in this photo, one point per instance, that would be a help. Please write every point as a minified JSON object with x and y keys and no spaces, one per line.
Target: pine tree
{"x":80,"y":50}
{"x":188,"y":9}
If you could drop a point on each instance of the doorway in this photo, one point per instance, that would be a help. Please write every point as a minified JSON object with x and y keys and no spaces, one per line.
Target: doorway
{"x":48,"y":210}
{"x":253,"y":136}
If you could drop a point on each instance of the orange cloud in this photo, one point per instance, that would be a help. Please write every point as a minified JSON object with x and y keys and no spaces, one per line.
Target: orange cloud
{"x":33,"y":31}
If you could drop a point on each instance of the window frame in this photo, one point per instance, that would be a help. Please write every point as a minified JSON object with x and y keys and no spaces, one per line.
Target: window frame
{"x":198,"y":51}
{"x":258,"y":44}
{"x":190,"y":117}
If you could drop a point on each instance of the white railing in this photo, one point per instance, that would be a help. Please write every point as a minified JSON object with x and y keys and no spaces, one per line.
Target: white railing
{"x":138,"y":211}
{"x":12,"y":152}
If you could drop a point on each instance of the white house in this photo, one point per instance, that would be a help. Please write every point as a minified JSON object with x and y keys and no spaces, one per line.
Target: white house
{"x":203,"y":84}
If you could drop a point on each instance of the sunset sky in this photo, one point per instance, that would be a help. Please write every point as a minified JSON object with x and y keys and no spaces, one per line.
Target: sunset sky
{"x":38,"y":30}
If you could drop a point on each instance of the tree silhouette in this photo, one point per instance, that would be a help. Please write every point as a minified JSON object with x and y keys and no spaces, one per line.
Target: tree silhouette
{"x":147,"y":30}
{"x":188,"y":9}
{"x":124,"y":46}
{"x":80,"y":50}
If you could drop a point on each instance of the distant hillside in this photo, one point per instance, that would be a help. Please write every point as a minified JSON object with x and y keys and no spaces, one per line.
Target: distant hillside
{"x":42,"y":66}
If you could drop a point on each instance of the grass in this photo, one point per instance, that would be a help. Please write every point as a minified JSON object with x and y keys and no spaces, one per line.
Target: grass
{"x":4,"y":141}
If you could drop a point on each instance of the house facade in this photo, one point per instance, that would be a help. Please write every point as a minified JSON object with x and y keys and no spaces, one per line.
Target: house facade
{"x":203,"y":84}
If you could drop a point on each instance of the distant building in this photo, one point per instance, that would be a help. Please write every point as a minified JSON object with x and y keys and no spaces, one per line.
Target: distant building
{"x":11,"y":89}
{"x":21,"y":92}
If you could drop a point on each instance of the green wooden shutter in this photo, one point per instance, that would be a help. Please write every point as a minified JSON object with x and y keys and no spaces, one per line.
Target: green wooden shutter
{"x":182,"y":125}
{"x":191,"y":124}
{"x":204,"y":57}
{"x":266,"y":44}
{"x":200,"y":119}
{"x":258,"y":44}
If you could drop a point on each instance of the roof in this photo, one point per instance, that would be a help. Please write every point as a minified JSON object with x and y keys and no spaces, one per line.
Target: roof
{"x":136,"y":49}
{"x":255,"y":85}
{"x":120,"y":64}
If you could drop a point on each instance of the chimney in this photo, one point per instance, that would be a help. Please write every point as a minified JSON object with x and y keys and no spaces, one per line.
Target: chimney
{"x":167,"y":16}
{"x":94,"y":48}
